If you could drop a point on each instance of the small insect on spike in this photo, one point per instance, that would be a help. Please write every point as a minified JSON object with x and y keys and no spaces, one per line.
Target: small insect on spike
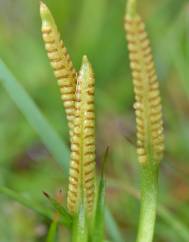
{"x":61,"y":63}
{"x":146,"y":87}
{"x":82,"y":166}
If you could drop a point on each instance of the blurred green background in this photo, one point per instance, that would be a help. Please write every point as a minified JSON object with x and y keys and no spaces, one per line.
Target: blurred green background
{"x":94,"y":28}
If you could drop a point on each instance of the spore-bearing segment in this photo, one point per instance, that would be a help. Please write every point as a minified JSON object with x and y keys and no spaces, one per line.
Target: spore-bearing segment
{"x":148,"y":109}
{"x":82,"y":166}
{"x":78,"y":99}
{"x":60,"y":62}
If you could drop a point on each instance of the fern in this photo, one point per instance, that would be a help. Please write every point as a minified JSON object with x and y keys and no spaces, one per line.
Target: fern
{"x":82,"y":166}
{"x":146,"y":87}
{"x":61,"y":63}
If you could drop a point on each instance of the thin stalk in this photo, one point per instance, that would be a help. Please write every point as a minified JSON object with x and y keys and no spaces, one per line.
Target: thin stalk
{"x":149,"y":191}
{"x":80,"y":228}
{"x":131,"y":7}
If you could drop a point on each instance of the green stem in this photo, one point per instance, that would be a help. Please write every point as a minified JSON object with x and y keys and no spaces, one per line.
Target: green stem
{"x":80,"y":227}
{"x":149,"y":191}
{"x":131,"y":8}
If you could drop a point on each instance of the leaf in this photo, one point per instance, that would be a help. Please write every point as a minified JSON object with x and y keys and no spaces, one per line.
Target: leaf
{"x":112,"y":227}
{"x":173,"y":221}
{"x":66,"y":218}
{"x":26,"y":202}
{"x":97,"y":234}
{"x":51,"y":237}
{"x":27,"y":106}
{"x":98,"y":229}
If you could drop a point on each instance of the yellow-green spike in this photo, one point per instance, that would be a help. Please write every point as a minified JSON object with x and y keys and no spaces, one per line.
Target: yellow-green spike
{"x":82,"y":167}
{"x":61,"y":63}
{"x":146,"y":87}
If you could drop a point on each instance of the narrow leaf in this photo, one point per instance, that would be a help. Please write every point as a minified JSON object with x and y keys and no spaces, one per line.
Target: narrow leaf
{"x":25,"y":201}
{"x":180,"y":228}
{"x":27,"y":106}
{"x":98,"y":229}
{"x":112,"y":227}
{"x":66,"y":218}
{"x":51,"y":237}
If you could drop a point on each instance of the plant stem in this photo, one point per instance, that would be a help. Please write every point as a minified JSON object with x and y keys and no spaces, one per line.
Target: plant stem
{"x":149,"y":191}
{"x":131,"y":8}
{"x":80,"y":227}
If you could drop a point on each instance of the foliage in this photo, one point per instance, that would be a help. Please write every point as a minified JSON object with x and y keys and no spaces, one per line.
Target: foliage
{"x":23,"y":157}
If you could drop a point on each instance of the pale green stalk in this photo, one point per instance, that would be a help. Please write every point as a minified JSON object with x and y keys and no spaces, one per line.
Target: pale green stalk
{"x":149,"y":191}
{"x":80,"y":227}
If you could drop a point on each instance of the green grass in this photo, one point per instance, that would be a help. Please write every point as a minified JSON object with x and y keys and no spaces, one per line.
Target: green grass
{"x":22,"y":50}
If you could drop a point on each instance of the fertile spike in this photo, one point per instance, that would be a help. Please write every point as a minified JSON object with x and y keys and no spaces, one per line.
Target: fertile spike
{"x":82,"y":167}
{"x":61,"y":63}
{"x":146,"y":87}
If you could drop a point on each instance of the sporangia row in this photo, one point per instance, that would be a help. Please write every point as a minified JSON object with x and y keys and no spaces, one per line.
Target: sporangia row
{"x":60,"y":62}
{"x":78,"y":99}
{"x":82,"y":166}
{"x":146,"y":87}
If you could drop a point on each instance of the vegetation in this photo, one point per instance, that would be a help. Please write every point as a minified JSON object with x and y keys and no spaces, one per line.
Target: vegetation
{"x":29,"y":172}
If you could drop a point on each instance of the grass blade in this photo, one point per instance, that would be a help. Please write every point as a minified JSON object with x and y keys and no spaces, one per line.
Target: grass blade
{"x":25,"y":201}
{"x":112,"y":227}
{"x":98,"y":229}
{"x":174,"y":222}
{"x":51,"y":237}
{"x":47,"y":134}
{"x":27,"y":106}
{"x":66,"y":218}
